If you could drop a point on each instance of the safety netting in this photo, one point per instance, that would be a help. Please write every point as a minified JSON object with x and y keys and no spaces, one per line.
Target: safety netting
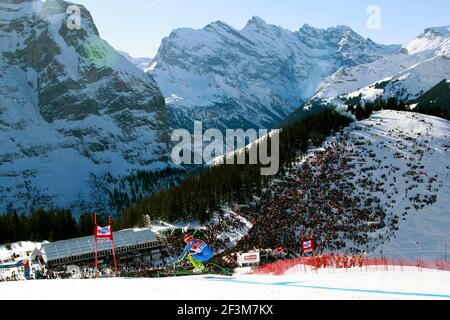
{"x":340,"y":261}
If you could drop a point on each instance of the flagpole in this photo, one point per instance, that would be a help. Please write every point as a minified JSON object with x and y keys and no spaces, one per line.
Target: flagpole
{"x":96,"y":248}
{"x":303,"y":252}
{"x":313,"y":247}
{"x":114,"y":256}
{"x":113,"y":246}
{"x":313,"y":244}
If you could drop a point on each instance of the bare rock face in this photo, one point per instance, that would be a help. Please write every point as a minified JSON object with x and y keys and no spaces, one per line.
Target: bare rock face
{"x":72,"y":110}
{"x":252,"y":77}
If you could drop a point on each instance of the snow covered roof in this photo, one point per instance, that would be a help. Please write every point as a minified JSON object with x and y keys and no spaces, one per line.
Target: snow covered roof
{"x":75,"y":247}
{"x":20,"y":248}
{"x":4,"y":255}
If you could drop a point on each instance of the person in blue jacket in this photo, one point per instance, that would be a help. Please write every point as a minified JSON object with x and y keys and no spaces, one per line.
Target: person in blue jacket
{"x":197,"y":251}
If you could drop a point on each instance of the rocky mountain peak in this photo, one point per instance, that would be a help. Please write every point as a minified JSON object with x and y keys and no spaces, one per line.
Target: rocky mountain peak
{"x":435,"y":40}
{"x":71,"y":109}
{"x":437,"y":31}
{"x":252,"y":77}
{"x":255,"y":21}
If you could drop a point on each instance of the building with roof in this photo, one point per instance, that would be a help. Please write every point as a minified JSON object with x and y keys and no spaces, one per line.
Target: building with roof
{"x":128,"y":244}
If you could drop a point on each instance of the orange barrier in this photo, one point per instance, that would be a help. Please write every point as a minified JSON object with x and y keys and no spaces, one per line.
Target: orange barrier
{"x":335,"y":261}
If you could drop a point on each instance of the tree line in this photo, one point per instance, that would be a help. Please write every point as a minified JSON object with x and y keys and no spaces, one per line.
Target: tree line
{"x":43,"y":225}
{"x":198,"y":197}
{"x":364,"y":110}
{"x":140,"y":184}
{"x":434,"y":111}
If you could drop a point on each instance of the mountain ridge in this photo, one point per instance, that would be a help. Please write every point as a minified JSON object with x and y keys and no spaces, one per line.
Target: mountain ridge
{"x":253,"y":77}
{"x":417,"y":67}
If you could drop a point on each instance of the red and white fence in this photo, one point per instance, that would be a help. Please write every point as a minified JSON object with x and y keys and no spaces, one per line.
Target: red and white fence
{"x":333,"y":261}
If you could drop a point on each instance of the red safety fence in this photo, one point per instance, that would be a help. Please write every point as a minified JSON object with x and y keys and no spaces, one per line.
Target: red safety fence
{"x":334,"y":261}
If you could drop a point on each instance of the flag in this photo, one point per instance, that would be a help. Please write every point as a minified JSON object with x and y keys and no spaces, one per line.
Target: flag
{"x":308,"y":246}
{"x":279,"y":250}
{"x":103,"y":232}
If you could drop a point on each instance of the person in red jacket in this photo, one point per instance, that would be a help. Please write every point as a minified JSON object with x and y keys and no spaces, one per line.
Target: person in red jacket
{"x":345,"y":259}
{"x":353,"y":261}
{"x":360,"y":261}
{"x":338,"y":261}
{"x":326,"y":261}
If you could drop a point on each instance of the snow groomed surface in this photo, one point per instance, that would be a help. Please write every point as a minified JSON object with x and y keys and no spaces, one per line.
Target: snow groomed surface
{"x":324,"y":284}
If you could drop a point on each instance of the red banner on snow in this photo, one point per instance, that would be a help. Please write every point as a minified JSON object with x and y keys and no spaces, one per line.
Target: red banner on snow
{"x":103,"y":233}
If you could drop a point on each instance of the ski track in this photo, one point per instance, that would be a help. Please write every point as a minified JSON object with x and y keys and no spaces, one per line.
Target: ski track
{"x":323,"y":284}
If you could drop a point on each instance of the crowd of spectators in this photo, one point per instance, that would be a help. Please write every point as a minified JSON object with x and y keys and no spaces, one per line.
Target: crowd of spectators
{"x":11,"y":276}
{"x":315,"y":197}
{"x":343,"y":196}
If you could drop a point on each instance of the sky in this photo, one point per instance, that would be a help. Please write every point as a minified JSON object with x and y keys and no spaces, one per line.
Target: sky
{"x":138,"y":26}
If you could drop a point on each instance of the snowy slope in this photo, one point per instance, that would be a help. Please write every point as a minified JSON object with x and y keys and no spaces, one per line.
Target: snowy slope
{"x":381,"y":187}
{"x":322,"y":285}
{"x":253,"y":77}
{"x":419,"y":146}
{"x":409,"y":84}
{"x":142,"y":63}
{"x":416,"y":68}
{"x":406,"y":156}
{"x":72,"y":110}
{"x":432,"y":39}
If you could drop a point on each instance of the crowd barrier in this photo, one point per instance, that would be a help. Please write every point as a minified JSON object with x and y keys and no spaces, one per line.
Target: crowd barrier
{"x":333,"y":261}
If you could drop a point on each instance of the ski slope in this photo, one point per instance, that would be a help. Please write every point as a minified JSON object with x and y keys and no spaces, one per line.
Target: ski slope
{"x":324,"y":285}
{"x":412,"y":152}
{"x":385,"y":191}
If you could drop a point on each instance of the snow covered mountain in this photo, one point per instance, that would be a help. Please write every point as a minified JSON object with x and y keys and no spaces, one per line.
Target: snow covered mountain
{"x":72,"y":111}
{"x":408,"y":157}
{"x":415,"y":69}
{"x":142,"y":63}
{"x":253,"y":77}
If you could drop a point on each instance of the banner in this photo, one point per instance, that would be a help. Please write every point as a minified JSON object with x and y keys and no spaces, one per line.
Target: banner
{"x":364,"y":264}
{"x":248,"y":258}
{"x":103,"y":233}
{"x":308,"y":246}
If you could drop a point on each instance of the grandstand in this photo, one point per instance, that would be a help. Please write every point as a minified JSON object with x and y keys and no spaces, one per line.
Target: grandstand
{"x":129,"y":244}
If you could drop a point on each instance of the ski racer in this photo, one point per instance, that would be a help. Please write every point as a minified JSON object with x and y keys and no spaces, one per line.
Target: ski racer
{"x":197,"y":251}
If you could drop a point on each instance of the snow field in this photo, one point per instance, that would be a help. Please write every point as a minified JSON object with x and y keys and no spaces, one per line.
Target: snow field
{"x":324,"y":285}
